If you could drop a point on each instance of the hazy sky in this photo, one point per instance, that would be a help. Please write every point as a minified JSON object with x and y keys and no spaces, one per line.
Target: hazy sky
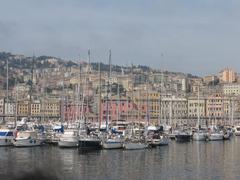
{"x":196,"y":36}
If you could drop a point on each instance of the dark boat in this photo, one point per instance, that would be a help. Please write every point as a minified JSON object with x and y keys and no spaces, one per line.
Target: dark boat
{"x":183,"y":137}
{"x":89,"y":142}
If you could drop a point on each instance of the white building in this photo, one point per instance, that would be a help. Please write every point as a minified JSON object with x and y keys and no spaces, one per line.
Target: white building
{"x":231,"y":89}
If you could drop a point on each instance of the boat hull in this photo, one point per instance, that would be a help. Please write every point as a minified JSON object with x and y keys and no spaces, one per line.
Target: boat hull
{"x":135,"y":146}
{"x":199,"y":137}
{"x":154,"y":142}
{"x":237,"y":133}
{"x":183,"y":137}
{"x":6,"y":141}
{"x":27,"y":142}
{"x":164,"y":141}
{"x":112,"y":145}
{"x":89,"y":144}
{"x":68,"y":144}
{"x":215,"y":137}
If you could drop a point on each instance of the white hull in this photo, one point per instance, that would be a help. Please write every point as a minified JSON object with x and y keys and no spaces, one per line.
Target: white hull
{"x":134,"y":146}
{"x":6,"y":141}
{"x":215,"y":137}
{"x":27,"y":142}
{"x":68,"y":143}
{"x":164,"y":141}
{"x":199,"y":136}
{"x":237,"y":133}
{"x":112,"y":145}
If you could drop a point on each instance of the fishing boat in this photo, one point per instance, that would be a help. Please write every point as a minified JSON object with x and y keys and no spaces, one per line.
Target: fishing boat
{"x":69,"y":138}
{"x":26,"y":138}
{"x":6,"y":137}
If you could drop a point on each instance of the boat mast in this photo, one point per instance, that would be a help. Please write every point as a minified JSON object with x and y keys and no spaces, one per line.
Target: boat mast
{"x":88,"y":72}
{"x":232,"y":111}
{"x":100,"y":95}
{"x":198,"y":110}
{"x":108,"y":90}
{"x":16,"y":105}
{"x":7,"y":94}
{"x":148,"y":118}
{"x":118,"y":97}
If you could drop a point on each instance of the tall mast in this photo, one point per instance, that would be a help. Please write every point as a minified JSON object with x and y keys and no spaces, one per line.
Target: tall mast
{"x":198,"y":110}
{"x":118,"y":97}
{"x":88,"y":72}
{"x":148,"y":115}
{"x":100,"y":95}
{"x":132,"y":98}
{"x":108,"y":90}
{"x":7,"y":93}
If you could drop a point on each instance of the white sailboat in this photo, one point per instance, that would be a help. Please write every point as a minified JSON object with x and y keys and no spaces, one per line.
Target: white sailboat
{"x":69,"y":138}
{"x":135,"y":141}
{"x":199,"y":135}
{"x":113,"y":141}
{"x":215,"y":136}
{"x":6,"y":134}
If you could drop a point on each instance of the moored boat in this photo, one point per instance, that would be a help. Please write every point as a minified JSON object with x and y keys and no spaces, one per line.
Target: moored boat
{"x":134,"y":145}
{"x":215,"y":136}
{"x":89,"y":142}
{"x":183,"y":137}
{"x":112,"y":144}
{"x":6,"y":137}
{"x":237,"y":131}
{"x":199,"y":136}
{"x":26,"y":139}
{"x":69,"y":138}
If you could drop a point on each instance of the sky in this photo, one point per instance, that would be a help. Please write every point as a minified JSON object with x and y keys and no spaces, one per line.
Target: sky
{"x":191,"y":36}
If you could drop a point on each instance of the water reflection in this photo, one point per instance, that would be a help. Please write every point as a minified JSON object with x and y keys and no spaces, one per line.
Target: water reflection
{"x":193,"y":160}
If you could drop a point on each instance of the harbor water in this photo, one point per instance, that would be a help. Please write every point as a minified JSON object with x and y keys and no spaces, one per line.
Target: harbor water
{"x":192,"y":160}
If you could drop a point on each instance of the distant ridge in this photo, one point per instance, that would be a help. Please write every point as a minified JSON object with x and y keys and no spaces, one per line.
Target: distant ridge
{"x":40,"y":62}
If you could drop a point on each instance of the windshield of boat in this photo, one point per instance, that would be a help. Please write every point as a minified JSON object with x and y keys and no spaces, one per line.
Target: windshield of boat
{"x":6,"y":133}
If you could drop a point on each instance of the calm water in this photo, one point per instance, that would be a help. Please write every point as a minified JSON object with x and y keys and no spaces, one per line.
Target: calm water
{"x":194,"y":160}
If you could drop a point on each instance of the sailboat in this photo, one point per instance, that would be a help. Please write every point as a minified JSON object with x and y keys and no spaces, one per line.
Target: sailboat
{"x":135,"y":141}
{"x":199,"y":135}
{"x":111,"y":140}
{"x":87,"y":140}
{"x":69,"y":138}
{"x":6,"y":134}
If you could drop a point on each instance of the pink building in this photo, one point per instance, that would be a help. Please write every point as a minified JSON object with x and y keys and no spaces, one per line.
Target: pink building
{"x":122,"y":109}
{"x":72,"y":112}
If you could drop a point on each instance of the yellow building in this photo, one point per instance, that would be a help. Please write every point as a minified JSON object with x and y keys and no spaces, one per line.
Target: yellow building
{"x":52,"y":109}
{"x":36,"y":108}
{"x":149,"y":101}
{"x":23,"y":108}
{"x":231,"y":89}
